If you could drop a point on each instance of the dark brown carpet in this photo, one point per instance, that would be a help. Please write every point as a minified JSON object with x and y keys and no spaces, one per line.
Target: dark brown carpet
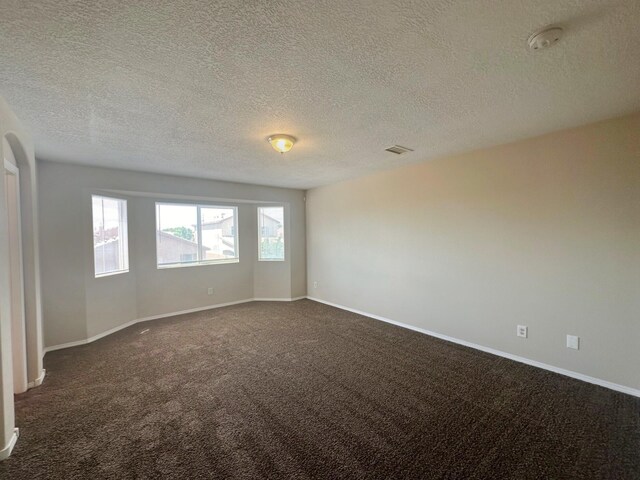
{"x":303,"y":390}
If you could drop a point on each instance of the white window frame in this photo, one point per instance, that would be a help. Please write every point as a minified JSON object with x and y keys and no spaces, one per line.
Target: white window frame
{"x":124,"y":221}
{"x":199,"y":263}
{"x":284,"y":235}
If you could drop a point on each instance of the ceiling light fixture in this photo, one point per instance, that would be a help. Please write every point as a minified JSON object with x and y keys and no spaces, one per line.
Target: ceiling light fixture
{"x":281,"y":143}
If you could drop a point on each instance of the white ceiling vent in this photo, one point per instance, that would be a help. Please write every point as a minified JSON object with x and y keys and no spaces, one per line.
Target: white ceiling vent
{"x":398,"y":150}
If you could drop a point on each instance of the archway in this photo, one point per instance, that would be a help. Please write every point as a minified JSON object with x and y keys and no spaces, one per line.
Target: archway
{"x":12,"y":219}
{"x":16,"y":143}
{"x":30,"y":259}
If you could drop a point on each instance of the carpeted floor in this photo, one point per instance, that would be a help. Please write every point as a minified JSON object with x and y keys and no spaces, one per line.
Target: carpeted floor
{"x":303,"y":390}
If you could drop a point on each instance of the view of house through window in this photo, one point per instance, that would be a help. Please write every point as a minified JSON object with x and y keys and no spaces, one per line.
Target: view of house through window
{"x":195,"y":234}
{"x":110,"y":244}
{"x":271,"y":233}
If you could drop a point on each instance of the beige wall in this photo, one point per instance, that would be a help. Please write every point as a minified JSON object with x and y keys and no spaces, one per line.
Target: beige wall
{"x":543,"y":232}
{"x":77,"y":306}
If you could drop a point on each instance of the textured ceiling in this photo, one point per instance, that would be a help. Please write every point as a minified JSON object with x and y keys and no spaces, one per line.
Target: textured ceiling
{"x":194,"y":87}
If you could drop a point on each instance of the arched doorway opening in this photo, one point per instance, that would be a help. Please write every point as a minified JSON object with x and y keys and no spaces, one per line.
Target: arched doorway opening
{"x":15,"y":264}
{"x":26,"y":187}
{"x":20,"y":334}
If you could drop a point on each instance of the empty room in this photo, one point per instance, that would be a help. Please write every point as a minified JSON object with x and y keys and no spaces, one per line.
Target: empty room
{"x":320,"y":239}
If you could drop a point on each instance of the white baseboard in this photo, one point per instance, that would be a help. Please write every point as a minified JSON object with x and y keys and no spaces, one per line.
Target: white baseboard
{"x":182,"y":312}
{"x":38,"y":381}
{"x":6,"y":451}
{"x":585,"y":378}
{"x":278,"y":299}
{"x":65,"y":345}
{"x":162,"y":315}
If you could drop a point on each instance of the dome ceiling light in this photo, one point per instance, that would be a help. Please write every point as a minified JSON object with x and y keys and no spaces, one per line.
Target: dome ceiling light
{"x":281,"y":143}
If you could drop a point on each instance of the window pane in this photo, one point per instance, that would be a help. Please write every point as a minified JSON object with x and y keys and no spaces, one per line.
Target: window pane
{"x":218,"y":233}
{"x":176,"y":232}
{"x":195,"y":234}
{"x":110,"y":245}
{"x":271,"y":233}
{"x":98,"y":235}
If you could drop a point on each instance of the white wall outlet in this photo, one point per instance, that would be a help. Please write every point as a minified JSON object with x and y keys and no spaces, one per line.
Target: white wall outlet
{"x":573,"y":341}
{"x":522,"y":331}
{"x":210,"y":291}
{"x":315,"y":284}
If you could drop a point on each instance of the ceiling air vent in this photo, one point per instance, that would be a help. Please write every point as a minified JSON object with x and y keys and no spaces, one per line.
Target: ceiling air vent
{"x":398,"y":150}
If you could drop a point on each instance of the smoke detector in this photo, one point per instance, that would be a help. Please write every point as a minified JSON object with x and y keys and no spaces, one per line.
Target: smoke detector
{"x":545,"y":38}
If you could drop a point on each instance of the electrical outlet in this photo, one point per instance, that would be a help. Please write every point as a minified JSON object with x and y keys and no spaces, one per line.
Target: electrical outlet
{"x":522,"y":331}
{"x":315,"y":284}
{"x":573,"y":341}
{"x":210,"y":291}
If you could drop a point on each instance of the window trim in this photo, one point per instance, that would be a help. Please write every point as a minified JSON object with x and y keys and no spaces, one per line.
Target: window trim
{"x":198,"y":263}
{"x":125,"y":223}
{"x":284,"y":235}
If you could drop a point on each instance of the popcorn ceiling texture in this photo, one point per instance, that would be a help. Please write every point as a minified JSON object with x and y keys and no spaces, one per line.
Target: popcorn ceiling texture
{"x":194,"y":87}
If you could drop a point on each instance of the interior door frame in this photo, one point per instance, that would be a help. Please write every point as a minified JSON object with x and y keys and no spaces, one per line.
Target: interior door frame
{"x":18,"y":314}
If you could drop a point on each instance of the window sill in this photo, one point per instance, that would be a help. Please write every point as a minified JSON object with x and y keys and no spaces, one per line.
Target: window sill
{"x":111,"y":274}
{"x":197,"y":264}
